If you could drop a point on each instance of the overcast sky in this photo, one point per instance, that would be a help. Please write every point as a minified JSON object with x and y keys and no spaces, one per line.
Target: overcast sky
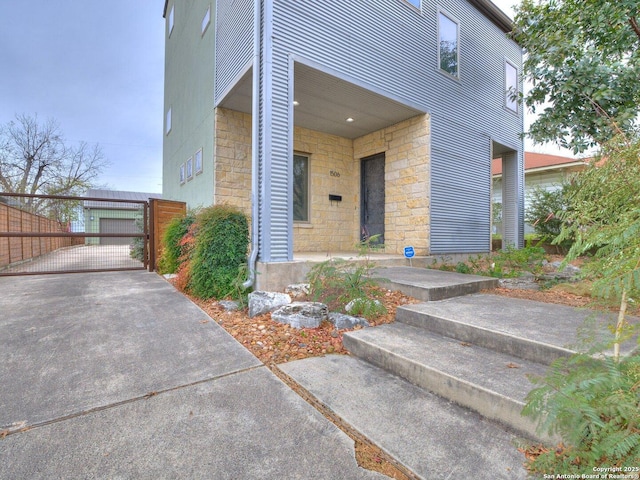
{"x":97,"y":68}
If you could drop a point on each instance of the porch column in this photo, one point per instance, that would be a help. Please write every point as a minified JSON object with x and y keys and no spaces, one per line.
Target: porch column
{"x":275,"y":150}
{"x":513,"y":200}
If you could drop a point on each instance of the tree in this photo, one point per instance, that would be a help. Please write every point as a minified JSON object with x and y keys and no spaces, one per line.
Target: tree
{"x":34,"y":159}
{"x":583,"y":61}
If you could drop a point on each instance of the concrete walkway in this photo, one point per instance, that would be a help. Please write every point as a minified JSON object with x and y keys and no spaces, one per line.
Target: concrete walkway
{"x":117,"y":375}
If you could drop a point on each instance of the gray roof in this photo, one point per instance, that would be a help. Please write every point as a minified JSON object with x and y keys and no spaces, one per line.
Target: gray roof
{"x":117,"y":195}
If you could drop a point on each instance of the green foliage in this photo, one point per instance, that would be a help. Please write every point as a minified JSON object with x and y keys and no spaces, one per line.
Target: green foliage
{"x":462,"y":267}
{"x":543,"y":210}
{"x":221,"y":243}
{"x":513,"y":260}
{"x":583,"y":62}
{"x":366,"y":307}
{"x":605,"y":218}
{"x":136,"y":249}
{"x":336,"y":282}
{"x":172,"y":247}
{"x":594,"y":405}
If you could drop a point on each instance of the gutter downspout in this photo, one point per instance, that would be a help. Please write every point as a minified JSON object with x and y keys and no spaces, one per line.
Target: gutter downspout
{"x":255,"y":150}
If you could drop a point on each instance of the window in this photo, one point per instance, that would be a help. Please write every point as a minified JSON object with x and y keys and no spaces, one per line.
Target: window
{"x":190,"y":168}
{"x":167,"y":126}
{"x":415,"y":3}
{"x":170,"y":21}
{"x":510,"y":86}
{"x":206,"y":20}
{"x":300,"y":188}
{"x":182,"y":174}
{"x":448,"y":44}
{"x":198,"y":162}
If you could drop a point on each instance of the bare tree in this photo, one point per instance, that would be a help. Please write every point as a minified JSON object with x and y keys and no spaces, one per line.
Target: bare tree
{"x":35,"y":160}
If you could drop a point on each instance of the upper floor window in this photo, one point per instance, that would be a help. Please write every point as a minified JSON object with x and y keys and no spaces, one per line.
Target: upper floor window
{"x":198,"y":162}
{"x":511,"y":86}
{"x":300,"y":188}
{"x":415,"y":3}
{"x":206,"y":20}
{"x":170,"y":20}
{"x":448,"y":34}
{"x":167,"y":125}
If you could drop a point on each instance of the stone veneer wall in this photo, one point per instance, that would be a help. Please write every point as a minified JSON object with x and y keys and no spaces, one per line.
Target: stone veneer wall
{"x":232,"y":159}
{"x":334,"y":226}
{"x":407,"y":178}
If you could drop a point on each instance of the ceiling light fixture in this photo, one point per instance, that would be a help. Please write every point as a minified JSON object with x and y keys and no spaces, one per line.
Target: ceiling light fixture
{"x":349,"y":120}
{"x":296,"y":103}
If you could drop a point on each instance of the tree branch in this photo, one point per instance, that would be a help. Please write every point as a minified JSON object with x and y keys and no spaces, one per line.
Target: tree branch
{"x":634,"y":25}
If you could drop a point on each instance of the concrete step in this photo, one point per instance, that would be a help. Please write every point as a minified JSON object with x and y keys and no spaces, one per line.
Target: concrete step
{"x":535,"y":331}
{"x":429,"y":285}
{"x":491,"y":383}
{"x":432,"y":437}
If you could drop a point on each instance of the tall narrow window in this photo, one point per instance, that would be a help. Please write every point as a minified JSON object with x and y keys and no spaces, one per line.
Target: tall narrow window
{"x":167,"y":126}
{"x":170,"y":20}
{"x":448,"y":44}
{"x":206,"y":20}
{"x":511,"y":86}
{"x":300,"y":188}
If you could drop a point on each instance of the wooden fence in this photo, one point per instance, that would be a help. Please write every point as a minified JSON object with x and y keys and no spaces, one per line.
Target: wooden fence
{"x":18,"y":249}
{"x":161,"y":213}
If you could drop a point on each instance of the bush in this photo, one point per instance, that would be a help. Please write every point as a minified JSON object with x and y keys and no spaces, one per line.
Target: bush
{"x":336,"y":282}
{"x":512,"y":261}
{"x":220,"y":249}
{"x":172,"y":248}
{"x":542,"y":213}
{"x":593,"y":404}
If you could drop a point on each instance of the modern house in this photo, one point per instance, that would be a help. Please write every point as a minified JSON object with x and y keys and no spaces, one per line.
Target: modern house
{"x":541,"y":170}
{"x":327,"y":122}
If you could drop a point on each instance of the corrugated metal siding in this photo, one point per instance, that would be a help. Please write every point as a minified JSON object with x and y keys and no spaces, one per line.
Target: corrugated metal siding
{"x":234,"y":41}
{"x":390,"y":46}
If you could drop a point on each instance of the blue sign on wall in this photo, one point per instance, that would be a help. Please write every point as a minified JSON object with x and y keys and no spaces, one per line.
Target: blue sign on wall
{"x":409,"y":252}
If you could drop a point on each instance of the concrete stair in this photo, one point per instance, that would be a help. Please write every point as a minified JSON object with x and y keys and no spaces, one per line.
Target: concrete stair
{"x":477,"y":351}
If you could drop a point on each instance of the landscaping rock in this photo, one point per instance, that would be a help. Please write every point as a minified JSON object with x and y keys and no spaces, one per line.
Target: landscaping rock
{"x":341,"y":320}
{"x":298,"y":290}
{"x":265,"y":302}
{"x":527,"y":281}
{"x":301,"y":314}
{"x":229,"y":305}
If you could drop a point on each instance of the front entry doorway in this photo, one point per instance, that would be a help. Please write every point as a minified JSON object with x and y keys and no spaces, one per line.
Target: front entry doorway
{"x":372,"y":198}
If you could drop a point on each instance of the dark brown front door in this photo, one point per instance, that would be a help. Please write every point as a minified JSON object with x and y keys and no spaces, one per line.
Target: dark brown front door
{"x":372,"y":197}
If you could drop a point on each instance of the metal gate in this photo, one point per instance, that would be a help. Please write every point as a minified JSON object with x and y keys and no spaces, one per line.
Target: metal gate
{"x":62,"y":234}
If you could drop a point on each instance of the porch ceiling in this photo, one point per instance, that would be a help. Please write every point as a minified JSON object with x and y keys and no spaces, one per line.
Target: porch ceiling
{"x":326,"y":102}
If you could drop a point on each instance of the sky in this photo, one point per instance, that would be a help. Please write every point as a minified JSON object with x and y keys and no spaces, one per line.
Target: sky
{"x":97,"y":68}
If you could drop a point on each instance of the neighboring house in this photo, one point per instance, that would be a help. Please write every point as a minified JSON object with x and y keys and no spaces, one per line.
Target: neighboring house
{"x":541,"y":170}
{"x":113,"y":217}
{"x":329,"y":121}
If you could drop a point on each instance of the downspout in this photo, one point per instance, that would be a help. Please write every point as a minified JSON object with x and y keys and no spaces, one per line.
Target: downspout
{"x":255,"y":151}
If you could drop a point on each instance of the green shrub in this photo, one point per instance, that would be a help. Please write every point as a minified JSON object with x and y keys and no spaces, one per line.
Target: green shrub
{"x":593,"y":404}
{"x":512,"y":261}
{"x":172,"y":248}
{"x":221,"y":244}
{"x":543,"y":212}
{"x":136,"y":249}
{"x":336,"y":282}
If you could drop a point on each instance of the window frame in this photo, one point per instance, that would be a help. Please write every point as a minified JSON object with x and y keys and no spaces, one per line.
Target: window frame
{"x":171,"y":21}
{"x":182,"y":174}
{"x":307,"y":182}
{"x":197,"y":162}
{"x":189,"y":168}
{"x":507,"y":88}
{"x":205,"y":26}
{"x":454,"y":20}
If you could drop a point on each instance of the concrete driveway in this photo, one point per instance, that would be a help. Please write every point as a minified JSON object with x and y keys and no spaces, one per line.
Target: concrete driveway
{"x":117,"y":375}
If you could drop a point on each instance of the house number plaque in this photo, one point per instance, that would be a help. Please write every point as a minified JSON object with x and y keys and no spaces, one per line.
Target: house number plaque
{"x":333,"y":173}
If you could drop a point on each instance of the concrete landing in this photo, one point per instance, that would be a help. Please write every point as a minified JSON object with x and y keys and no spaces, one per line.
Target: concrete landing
{"x":429,"y":285}
{"x":434,"y":438}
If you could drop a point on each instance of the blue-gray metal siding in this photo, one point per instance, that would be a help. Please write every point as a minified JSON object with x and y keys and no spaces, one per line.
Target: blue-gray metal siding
{"x":386,"y":44}
{"x":234,"y":41}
